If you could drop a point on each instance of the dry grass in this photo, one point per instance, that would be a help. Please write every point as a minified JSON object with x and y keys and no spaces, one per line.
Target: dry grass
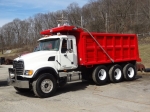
{"x":144,"y":50}
{"x":16,"y":52}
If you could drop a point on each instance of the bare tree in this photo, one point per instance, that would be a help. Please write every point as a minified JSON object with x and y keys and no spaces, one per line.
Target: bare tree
{"x":74,"y":14}
{"x":1,"y":43}
{"x":118,"y":16}
{"x":8,"y":35}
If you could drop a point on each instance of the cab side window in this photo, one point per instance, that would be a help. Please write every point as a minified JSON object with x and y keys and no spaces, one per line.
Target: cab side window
{"x":71,"y":50}
{"x":71,"y":44}
{"x":64,"y":46}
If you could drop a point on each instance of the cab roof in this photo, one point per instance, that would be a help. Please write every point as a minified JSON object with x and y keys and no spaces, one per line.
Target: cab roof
{"x":55,"y":37}
{"x":62,"y":29}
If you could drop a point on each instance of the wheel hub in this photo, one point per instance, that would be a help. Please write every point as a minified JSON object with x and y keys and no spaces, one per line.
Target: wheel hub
{"x":102,"y":74}
{"x":46,"y":85}
{"x":117,"y":74}
{"x":130,"y":72}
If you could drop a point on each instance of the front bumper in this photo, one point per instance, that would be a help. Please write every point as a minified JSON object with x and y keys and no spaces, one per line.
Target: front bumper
{"x":14,"y":81}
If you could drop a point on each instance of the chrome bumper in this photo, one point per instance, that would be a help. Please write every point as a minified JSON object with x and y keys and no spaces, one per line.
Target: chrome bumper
{"x":14,"y":82}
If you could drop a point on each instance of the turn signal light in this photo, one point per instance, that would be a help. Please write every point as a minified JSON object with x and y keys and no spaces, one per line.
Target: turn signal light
{"x":28,"y":72}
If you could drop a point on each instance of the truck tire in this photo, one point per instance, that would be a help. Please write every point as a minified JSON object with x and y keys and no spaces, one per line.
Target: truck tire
{"x":129,"y":72}
{"x":100,"y":75}
{"x":22,"y":90}
{"x":115,"y":73}
{"x":44,"y":86}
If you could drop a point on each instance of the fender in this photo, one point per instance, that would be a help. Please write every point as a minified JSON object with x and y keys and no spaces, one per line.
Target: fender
{"x":45,"y":70}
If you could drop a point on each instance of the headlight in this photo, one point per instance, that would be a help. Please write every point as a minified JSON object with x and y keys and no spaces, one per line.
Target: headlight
{"x":28,"y":72}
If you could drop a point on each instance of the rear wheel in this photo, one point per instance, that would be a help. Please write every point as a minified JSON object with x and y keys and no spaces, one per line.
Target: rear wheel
{"x":44,"y":86}
{"x":115,"y":73}
{"x":129,"y":72}
{"x":100,"y":75}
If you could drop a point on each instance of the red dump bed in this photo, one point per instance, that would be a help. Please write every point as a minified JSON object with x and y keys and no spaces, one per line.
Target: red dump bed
{"x":120,"y":47}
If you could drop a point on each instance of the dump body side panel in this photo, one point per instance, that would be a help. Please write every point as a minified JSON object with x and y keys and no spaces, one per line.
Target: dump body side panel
{"x":120,"y":47}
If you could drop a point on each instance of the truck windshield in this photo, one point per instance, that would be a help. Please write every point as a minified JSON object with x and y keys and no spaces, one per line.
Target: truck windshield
{"x":48,"y":44}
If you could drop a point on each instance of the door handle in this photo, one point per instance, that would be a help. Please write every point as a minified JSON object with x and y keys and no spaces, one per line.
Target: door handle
{"x":65,"y":55}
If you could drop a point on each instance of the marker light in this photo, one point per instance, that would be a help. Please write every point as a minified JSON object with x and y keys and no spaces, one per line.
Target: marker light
{"x":58,"y":34}
{"x":51,"y":31}
{"x":28,"y":72}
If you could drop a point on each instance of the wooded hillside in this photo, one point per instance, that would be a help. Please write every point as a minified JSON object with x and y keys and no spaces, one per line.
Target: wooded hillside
{"x":117,"y":16}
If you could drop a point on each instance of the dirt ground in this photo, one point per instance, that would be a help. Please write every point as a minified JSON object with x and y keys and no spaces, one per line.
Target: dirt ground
{"x":126,"y":96}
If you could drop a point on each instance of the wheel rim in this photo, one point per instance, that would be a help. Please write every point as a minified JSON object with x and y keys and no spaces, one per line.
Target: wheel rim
{"x":46,"y":85}
{"x":117,"y":74}
{"x":130,"y":72}
{"x":102,"y":74}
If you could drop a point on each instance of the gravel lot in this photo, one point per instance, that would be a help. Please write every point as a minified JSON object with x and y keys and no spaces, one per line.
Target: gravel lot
{"x":131,"y":96}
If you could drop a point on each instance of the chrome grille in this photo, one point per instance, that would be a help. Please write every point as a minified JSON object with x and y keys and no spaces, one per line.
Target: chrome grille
{"x":19,"y":66}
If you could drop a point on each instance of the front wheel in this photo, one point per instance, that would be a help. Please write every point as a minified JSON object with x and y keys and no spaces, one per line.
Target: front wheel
{"x":45,"y":85}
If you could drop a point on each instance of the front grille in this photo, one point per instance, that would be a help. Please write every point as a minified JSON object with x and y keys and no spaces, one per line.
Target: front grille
{"x":19,"y":66}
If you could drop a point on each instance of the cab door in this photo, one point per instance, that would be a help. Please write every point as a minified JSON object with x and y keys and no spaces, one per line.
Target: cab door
{"x":68,"y":56}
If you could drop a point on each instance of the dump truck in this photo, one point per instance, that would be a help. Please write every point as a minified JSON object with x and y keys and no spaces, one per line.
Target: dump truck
{"x":69,"y":54}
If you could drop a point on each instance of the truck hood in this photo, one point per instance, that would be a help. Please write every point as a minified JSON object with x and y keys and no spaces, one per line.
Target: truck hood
{"x":37,"y":60}
{"x":37,"y":56}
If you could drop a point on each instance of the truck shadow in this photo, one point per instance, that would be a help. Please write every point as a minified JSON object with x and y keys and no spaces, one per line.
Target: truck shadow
{"x":60,"y":90}
{"x":77,"y":87}
{"x":29,"y":94}
{"x":71,"y":88}
{"x":138,"y":77}
{"x":3,"y":83}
